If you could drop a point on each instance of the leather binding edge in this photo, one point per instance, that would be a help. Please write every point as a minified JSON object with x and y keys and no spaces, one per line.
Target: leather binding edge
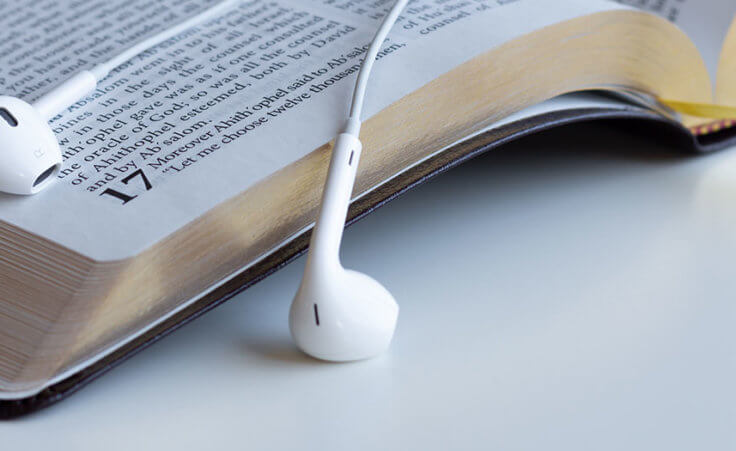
{"x":360,"y":208}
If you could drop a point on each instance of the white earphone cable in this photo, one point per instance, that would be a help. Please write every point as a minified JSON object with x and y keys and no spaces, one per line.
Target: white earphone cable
{"x":84,"y":82}
{"x":104,"y":69}
{"x":361,"y":85}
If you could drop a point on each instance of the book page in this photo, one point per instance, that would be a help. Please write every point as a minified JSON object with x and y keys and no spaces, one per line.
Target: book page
{"x":207,"y":114}
{"x":705,"y":21}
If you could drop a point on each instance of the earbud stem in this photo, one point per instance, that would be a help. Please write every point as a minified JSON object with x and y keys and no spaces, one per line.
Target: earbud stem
{"x":66,"y":94}
{"x":327,"y":234}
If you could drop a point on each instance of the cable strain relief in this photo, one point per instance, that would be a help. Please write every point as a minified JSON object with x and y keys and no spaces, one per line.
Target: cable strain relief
{"x":100,"y":72}
{"x":66,"y":94}
{"x":352,"y":126}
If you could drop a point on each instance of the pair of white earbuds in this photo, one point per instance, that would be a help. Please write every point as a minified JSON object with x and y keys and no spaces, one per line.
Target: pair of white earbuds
{"x":337,"y":314}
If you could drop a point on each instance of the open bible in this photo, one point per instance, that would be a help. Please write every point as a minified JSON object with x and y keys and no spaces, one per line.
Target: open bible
{"x":196,"y":169}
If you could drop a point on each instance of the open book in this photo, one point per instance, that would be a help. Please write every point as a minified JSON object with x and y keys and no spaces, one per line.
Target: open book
{"x":196,"y":169}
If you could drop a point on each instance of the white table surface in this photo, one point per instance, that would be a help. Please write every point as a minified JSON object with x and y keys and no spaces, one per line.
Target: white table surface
{"x":572,"y":292}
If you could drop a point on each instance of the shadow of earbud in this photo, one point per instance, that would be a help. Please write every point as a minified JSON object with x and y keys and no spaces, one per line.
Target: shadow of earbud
{"x":275,"y":351}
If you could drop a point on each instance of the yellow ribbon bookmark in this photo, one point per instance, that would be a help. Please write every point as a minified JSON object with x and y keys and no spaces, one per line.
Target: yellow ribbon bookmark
{"x":725,"y":116}
{"x":707,"y":110}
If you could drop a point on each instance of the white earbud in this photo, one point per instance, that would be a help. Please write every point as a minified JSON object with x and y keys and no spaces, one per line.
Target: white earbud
{"x":338,"y":314}
{"x":31,"y":157}
{"x":341,"y":315}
